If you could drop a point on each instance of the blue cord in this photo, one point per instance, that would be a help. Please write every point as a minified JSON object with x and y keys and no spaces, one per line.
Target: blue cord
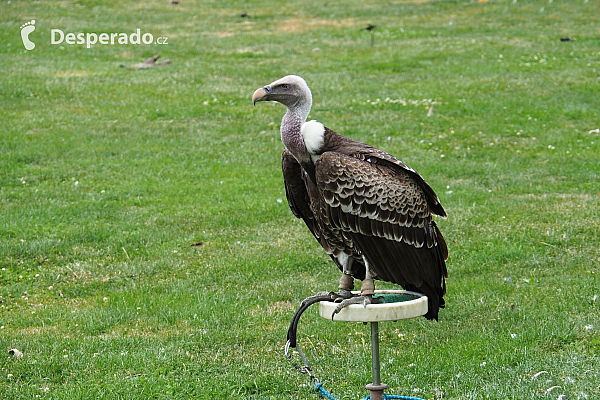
{"x":393,"y":396}
{"x":318,"y":387}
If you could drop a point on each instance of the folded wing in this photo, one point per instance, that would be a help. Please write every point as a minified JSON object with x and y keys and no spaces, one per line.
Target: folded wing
{"x":386,"y":211}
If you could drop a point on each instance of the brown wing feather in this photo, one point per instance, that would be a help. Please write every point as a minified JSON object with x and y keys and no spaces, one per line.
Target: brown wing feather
{"x":386,"y":212}
{"x":303,"y":197}
{"x":382,"y":158}
{"x":336,"y":142}
{"x":295,"y":191}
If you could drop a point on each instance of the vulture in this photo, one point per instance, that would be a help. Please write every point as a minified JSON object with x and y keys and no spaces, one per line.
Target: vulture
{"x":371,"y":213}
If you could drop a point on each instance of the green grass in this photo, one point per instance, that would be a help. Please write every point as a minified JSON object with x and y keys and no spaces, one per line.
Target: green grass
{"x":107,"y":176}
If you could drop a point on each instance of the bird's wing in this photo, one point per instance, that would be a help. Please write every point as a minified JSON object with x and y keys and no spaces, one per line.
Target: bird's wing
{"x":296,"y":192}
{"x":299,"y":190}
{"x":380,"y":157}
{"x":386,"y":212}
{"x":362,"y":151}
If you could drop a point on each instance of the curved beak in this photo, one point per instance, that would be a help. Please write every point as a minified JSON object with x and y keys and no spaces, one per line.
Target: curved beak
{"x":259,"y":95}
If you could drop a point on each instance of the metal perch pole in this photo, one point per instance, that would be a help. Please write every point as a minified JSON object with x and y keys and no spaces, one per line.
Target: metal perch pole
{"x":376,"y":388}
{"x":392,"y":305}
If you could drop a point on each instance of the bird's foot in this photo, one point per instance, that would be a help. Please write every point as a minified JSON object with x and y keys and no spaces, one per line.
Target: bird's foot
{"x":317,"y":297}
{"x":365,"y":300}
{"x":342,"y":295}
{"x":333,"y":296}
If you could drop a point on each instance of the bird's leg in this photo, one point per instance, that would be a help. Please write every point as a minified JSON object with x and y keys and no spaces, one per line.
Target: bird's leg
{"x":345,"y":288}
{"x":367,"y":290}
{"x":346,"y":280}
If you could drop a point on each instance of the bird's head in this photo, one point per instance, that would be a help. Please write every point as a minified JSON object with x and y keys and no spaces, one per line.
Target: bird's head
{"x":291,"y":91}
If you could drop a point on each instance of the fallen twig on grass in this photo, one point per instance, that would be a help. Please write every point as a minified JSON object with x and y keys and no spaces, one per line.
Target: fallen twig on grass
{"x":149,"y":63}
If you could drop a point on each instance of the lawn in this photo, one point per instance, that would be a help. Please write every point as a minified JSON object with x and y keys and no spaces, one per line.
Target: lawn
{"x":146,"y":247}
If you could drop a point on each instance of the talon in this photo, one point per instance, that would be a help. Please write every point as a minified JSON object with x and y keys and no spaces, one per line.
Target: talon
{"x":335,"y":297}
{"x":342,"y":295}
{"x":316,"y":296}
{"x":365,"y":300}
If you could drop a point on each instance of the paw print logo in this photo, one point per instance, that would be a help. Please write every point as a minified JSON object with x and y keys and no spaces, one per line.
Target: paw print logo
{"x":26,"y":29}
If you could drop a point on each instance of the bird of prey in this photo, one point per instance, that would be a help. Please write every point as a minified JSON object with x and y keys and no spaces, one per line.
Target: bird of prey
{"x":370,"y":212}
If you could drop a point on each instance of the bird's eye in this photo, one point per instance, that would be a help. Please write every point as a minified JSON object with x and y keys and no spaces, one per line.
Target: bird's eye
{"x":285,"y":86}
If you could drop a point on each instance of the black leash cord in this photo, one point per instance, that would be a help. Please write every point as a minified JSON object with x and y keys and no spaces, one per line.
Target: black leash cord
{"x":292,"y":332}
